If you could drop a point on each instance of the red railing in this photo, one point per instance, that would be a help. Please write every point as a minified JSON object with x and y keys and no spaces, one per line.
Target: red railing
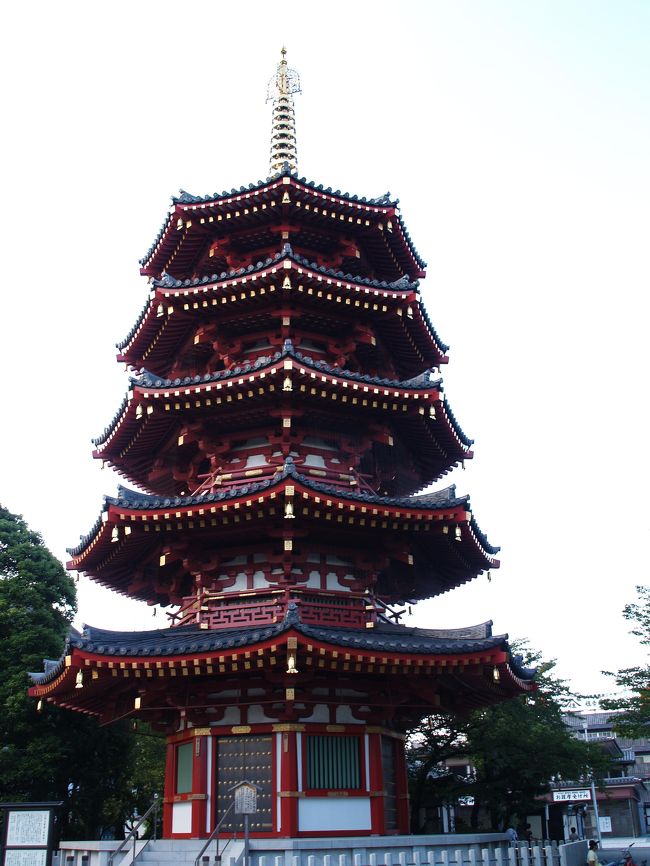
{"x":225,"y":611}
{"x":350,"y":480}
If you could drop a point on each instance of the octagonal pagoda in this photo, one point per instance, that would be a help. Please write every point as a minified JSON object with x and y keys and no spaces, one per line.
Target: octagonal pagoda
{"x":284,"y":423}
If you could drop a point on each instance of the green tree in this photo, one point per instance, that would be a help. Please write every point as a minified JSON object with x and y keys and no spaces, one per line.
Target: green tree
{"x":634,"y":705}
{"x":99,"y":773}
{"x":515,"y":748}
{"x":431,"y":750}
{"x":37,"y":602}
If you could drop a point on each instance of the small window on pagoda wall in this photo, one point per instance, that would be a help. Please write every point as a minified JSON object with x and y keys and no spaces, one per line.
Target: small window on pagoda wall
{"x":184,"y":768}
{"x":333,"y":763}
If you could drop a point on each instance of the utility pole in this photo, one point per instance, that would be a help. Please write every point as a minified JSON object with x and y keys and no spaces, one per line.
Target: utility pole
{"x":593,"y":793}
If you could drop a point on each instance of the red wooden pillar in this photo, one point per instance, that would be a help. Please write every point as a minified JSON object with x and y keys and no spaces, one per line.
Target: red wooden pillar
{"x":288,"y":745}
{"x":401,"y":781}
{"x":170,"y":790}
{"x":377,"y":812}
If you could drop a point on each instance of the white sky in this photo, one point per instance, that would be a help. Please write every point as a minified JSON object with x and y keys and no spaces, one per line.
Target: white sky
{"x":516,"y":135}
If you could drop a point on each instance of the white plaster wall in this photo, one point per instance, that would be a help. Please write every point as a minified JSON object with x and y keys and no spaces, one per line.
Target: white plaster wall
{"x":332,"y":813}
{"x":333,"y":582}
{"x":314,"y":579}
{"x":315,"y":460}
{"x":256,"y":715}
{"x":232,"y":716}
{"x":320,"y":715}
{"x":344,"y":716}
{"x":182,"y":818}
{"x":239,"y":585}
{"x":259,"y":581}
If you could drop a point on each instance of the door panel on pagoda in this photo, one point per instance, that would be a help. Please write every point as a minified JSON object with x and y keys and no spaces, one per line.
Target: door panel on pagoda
{"x":245,"y":759}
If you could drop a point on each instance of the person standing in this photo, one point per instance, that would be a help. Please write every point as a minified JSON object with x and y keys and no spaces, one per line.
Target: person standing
{"x":592,"y":855}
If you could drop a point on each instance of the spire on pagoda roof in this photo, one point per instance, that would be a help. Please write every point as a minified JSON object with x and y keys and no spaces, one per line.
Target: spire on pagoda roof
{"x":282,"y":86}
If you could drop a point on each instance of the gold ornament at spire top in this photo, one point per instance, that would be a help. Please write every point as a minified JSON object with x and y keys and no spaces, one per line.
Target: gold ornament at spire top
{"x":282,"y":86}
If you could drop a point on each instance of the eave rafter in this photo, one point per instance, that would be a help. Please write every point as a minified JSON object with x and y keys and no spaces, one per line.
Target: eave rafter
{"x":146,"y":416}
{"x":192,"y":219}
{"x":396,"y":312}
{"x":132,"y":531}
{"x":145,"y":687}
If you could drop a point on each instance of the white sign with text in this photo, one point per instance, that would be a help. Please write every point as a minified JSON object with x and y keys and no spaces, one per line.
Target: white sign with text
{"x":571,"y":796}
{"x":25,"y":858}
{"x":28,"y":828}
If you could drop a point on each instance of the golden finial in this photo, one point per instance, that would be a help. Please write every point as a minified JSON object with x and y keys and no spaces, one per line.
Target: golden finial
{"x":282,"y":86}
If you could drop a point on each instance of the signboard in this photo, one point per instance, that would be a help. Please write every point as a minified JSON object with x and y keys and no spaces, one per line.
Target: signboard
{"x":245,"y":799}
{"x":605,"y":824}
{"x":27,"y":828}
{"x":571,"y":796}
{"x":16,"y":857}
{"x":27,"y":838}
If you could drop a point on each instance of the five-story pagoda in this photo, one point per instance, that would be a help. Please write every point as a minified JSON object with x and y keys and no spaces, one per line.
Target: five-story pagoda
{"x":283,"y":418}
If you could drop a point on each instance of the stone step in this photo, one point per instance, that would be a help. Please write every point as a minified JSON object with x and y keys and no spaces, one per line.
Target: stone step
{"x":167,"y":852}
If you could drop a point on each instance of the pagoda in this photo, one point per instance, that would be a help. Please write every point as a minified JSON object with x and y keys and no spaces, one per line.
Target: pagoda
{"x":284,"y":423}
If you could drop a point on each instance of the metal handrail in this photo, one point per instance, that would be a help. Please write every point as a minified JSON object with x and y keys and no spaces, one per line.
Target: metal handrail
{"x":212,"y":836}
{"x":133,"y":832}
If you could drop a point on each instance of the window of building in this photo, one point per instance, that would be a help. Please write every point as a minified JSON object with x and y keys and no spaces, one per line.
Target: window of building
{"x":333,"y":763}
{"x":184,"y":768}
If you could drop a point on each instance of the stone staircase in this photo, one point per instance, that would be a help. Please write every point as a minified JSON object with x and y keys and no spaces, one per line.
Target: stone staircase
{"x":169,"y":852}
{"x":163,"y":852}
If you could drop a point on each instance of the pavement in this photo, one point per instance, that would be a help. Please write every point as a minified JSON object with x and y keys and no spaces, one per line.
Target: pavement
{"x":613,"y":847}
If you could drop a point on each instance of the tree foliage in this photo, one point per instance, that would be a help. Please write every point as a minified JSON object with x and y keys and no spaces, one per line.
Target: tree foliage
{"x":101,"y":774}
{"x":635,"y":681}
{"x":514,"y":749}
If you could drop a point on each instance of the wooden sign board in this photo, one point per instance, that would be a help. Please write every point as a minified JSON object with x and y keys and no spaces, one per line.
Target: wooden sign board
{"x":245,"y":799}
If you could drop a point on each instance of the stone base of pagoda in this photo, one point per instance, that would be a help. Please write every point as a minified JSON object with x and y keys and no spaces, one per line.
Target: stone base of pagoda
{"x":343,"y":851}
{"x":313,"y":780}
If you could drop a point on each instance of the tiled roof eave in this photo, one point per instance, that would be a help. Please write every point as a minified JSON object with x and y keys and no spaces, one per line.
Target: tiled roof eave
{"x":179,"y":642}
{"x":168,"y":287}
{"x":187,"y":202}
{"x":136,"y":327}
{"x":131,"y":500}
{"x":402,"y":286}
{"x":150,"y":382}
